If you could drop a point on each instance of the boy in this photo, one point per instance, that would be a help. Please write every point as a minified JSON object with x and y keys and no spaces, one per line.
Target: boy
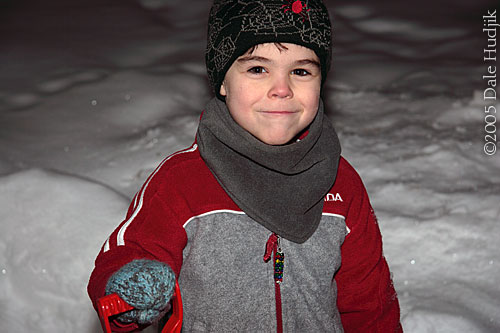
{"x":263,"y":180}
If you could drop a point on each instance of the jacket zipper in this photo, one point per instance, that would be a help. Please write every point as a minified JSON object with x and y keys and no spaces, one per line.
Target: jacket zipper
{"x":273,"y":247}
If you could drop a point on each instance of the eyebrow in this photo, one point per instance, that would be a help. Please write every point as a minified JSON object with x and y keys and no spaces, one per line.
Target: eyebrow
{"x":246,"y":59}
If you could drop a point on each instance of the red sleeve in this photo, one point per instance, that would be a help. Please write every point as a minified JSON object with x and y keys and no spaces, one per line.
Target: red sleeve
{"x":367,"y":301}
{"x":151,"y":230}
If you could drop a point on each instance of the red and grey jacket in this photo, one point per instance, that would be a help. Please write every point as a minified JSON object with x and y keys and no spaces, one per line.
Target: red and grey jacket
{"x":338,"y":280}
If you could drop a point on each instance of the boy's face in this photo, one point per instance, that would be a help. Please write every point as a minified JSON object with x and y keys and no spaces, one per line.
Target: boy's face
{"x":273,"y":93}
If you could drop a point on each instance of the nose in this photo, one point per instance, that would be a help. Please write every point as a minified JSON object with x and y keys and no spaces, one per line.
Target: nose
{"x":280,"y":87}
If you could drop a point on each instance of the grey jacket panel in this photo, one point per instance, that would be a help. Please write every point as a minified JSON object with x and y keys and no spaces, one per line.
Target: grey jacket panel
{"x":227,"y":287}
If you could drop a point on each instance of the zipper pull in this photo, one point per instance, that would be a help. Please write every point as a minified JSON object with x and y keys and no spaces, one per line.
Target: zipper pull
{"x":273,"y":248}
{"x":279,"y":262}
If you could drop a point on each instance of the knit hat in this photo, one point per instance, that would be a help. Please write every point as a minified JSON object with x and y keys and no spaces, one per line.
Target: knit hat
{"x":234,"y":26}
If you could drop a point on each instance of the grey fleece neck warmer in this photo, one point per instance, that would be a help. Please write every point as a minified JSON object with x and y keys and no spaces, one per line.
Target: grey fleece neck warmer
{"x":280,"y":187}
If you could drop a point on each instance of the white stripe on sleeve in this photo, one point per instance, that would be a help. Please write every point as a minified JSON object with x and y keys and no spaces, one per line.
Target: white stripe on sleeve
{"x":120,"y":238}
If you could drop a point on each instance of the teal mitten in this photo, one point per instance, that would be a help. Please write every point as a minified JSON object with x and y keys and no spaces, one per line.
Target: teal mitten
{"x":147,"y":285}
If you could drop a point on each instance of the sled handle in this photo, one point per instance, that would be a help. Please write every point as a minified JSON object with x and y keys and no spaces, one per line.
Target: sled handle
{"x":112,"y":304}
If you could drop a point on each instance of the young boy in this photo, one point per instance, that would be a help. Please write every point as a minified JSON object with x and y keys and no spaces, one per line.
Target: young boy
{"x":264,"y":179}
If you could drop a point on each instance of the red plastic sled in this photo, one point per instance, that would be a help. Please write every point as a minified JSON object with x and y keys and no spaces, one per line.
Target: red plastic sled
{"x":111,"y":305}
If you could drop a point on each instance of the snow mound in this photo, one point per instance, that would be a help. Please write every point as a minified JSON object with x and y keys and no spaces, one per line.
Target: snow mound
{"x":52,"y":227}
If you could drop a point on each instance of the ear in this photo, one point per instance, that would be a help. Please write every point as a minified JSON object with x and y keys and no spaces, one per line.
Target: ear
{"x":223,"y":91}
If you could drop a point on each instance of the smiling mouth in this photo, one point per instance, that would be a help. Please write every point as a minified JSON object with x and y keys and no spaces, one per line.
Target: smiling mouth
{"x":278,"y":112}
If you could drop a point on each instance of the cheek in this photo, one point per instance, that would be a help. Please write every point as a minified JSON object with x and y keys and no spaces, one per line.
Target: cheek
{"x":240,"y":98}
{"x":312,"y":105}
{"x":239,"y":107}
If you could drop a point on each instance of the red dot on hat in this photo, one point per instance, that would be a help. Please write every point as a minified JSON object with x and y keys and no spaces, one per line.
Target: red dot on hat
{"x":297,"y":7}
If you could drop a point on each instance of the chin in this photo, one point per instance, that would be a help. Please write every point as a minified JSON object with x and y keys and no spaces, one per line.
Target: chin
{"x":276,"y":141}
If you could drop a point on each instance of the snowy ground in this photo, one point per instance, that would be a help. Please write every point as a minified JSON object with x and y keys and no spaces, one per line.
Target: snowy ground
{"x":94,"y":95}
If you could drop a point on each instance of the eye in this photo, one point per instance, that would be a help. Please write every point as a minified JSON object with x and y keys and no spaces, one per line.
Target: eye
{"x":257,"y":70}
{"x":301,"y":72}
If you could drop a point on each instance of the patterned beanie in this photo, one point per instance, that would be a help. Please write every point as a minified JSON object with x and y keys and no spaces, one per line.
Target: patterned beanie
{"x":234,"y":26}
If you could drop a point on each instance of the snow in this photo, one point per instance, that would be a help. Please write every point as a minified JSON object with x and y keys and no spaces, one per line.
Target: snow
{"x":51,"y":224}
{"x":94,"y":95}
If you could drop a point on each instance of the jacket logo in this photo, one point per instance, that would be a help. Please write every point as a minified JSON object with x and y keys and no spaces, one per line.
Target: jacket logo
{"x":333,"y":197}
